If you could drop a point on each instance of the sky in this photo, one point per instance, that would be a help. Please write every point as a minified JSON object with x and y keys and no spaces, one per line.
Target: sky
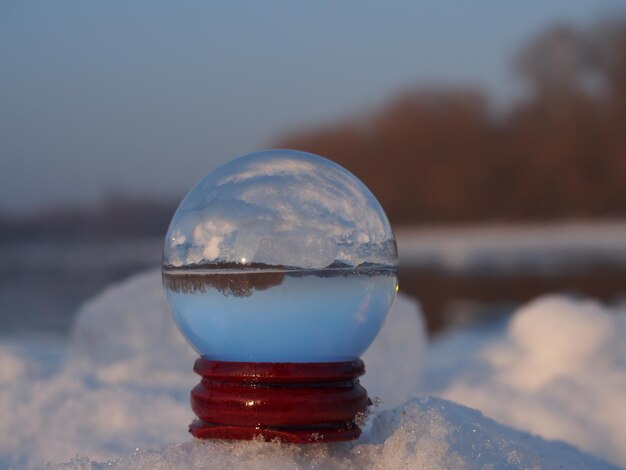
{"x":146,"y":97}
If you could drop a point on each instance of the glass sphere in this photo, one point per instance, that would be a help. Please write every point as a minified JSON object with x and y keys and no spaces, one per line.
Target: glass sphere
{"x":280,"y":256}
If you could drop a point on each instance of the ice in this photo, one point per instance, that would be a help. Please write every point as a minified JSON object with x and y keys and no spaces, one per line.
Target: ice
{"x":559,"y":370}
{"x":280,"y":207}
{"x":120,"y":394}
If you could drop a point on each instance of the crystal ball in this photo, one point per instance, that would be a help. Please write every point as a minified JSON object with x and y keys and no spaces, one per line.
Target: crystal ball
{"x":280,"y":256}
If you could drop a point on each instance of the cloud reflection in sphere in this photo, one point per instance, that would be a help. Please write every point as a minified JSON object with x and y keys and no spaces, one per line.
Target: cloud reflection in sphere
{"x":281,"y":208}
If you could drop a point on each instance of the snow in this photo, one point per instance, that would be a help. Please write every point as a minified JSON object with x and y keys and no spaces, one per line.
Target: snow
{"x":125,"y":360}
{"x":119,"y":393}
{"x":502,"y":249}
{"x":559,"y":370}
{"x":425,"y":433}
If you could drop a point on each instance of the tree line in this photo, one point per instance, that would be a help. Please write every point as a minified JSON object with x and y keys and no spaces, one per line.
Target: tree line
{"x":440,"y":155}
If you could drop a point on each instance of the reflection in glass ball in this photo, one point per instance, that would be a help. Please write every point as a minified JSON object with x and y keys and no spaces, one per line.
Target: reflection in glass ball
{"x":280,"y":256}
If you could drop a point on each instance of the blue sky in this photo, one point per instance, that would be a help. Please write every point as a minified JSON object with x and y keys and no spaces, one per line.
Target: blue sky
{"x":146,"y":97}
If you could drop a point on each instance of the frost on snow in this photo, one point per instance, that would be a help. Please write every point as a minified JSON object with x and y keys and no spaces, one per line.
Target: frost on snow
{"x":119,"y":395}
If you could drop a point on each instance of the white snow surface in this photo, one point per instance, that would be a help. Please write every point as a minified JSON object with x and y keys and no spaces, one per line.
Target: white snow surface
{"x":558,"y":370}
{"x":424,"y":433}
{"x":119,"y":393}
{"x":540,"y":249}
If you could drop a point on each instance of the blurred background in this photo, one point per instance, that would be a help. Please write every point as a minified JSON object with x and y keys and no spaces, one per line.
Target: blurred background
{"x":493,"y":134}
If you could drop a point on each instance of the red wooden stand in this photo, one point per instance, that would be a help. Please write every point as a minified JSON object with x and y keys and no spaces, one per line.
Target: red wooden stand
{"x":298,"y":403}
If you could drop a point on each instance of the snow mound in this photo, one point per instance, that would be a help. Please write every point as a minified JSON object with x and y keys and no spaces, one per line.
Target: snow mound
{"x":126,"y":360}
{"x":14,"y":367}
{"x":122,"y":388}
{"x":558,"y":371}
{"x":126,"y":335}
{"x":424,"y":433}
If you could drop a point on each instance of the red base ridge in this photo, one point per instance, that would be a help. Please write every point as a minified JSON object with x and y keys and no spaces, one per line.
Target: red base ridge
{"x":294,"y":402}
